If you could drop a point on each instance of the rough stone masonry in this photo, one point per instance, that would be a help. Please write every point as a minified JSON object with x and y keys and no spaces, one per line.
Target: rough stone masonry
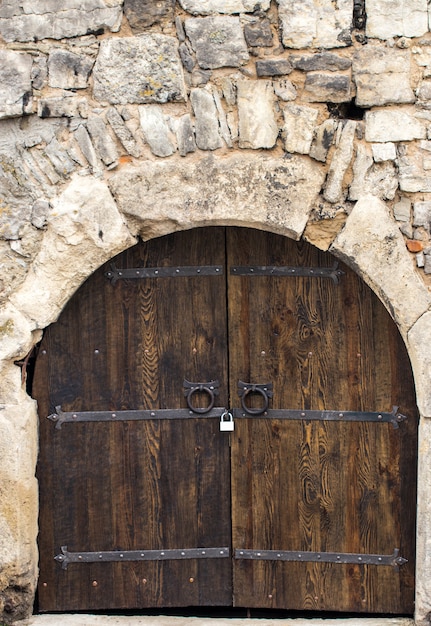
{"x":127,"y":118}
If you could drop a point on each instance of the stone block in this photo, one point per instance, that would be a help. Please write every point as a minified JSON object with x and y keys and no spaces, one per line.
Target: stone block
{"x":102,"y":141}
{"x":323,"y":139}
{"x":84,"y":230}
{"x":86,"y":146}
{"x":140,"y":70}
{"x":396,"y":18}
{"x":334,"y":191}
{"x":384,"y":152}
{"x":298,"y":129}
{"x":402,"y":210}
{"x":185,"y":135}
{"x":372,"y":241}
{"x":218,"y":41}
{"x":123,"y":132}
{"x":371,"y":178}
{"x":285,"y":90}
{"x":209,"y":7}
{"x":272,"y":193}
{"x":33,"y":20}
{"x":206,"y":124}
{"x":62,"y":107}
{"x":273,"y":67}
{"x":327,"y":88}
{"x":257,"y":124}
{"x":258,"y":34}
{"x":68,"y":70}
{"x":382,"y":76}
{"x":144,"y":13}
{"x":422,"y":214}
{"x":156,"y":130}
{"x":15,"y":84}
{"x":315,"y":23}
{"x":393,"y":125}
{"x":320,"y":61}
{"x":413,"y":177}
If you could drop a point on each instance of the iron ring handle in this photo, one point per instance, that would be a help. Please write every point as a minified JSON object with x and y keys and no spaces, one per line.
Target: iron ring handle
{"x":200,"y":388}
{"x":262,"y":392}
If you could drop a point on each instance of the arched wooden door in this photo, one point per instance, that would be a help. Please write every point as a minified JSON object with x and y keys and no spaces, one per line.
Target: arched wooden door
{"x":149,"y":500}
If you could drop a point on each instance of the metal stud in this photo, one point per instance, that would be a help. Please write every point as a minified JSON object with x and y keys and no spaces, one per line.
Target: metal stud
{"x":94,"y":583}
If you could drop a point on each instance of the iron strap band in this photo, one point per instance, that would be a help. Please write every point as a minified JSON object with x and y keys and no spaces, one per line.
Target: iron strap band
{"x":66,"y":557}
{"x":276,"y":270}
{"x":322,"y":557}
{"x":326,"y":416}
{"x":61,"y":417}
{"x":115,"y":273}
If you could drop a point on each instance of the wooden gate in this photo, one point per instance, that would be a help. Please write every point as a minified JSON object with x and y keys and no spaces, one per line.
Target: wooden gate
{"x":150,"y":499}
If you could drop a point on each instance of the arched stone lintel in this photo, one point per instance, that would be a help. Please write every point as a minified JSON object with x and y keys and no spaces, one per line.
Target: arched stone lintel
{"x":371,"y":244}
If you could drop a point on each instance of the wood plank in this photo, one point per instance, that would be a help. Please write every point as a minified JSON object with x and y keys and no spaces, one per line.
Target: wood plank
{"x":136,"y":485}
{"x":319,"y":486}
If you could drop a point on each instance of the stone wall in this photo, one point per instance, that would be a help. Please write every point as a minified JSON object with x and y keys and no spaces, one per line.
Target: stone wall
{"x":127,"y":118}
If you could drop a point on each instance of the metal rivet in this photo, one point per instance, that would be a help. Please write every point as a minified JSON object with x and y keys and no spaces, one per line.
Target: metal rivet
{"x":221,"y":551}
{"x":114,"y":415}
{"x":144,"y":581}
{"x":380,"y":558}
{"x":319,"y":556}
{"x":302,"y":414}
{"x":259,"y":554}
{"x":241,"y":553}
{"x":142,"y":555}
{"x":44,"y":584}
{"x":194,"y":350}
{"x":183,"y":554}
{"x":191,"y":580}
{"x":80,"y":557}
{"x":121,"y":556}
{"x":270,"y":596}
{"x":156,"y":271}
{"x":162,"y":554}
{"x":203,"y":552}
{"x":94,"y":583}
{"x":279,"y":556}
{"x":74,"y":416}
{"x":152,"y":414}
{"x":380,"y":417}
{"x":359,"y":558}
{"x":310,"y":354}
{"x":43,"y":351}
{"x":100,"y":556}
{"x":217,"y":269}
{"x":96,"y":351}
{"x":120,"y":273}
{"x":340,"y":415}
{"x":338,"y":558}
{"x":177,"y":271}
{"x":263,"y":353}
{"x":198,"y":271}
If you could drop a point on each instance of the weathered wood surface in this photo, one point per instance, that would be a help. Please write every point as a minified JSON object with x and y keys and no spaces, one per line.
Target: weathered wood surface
{"x":296,"y":485}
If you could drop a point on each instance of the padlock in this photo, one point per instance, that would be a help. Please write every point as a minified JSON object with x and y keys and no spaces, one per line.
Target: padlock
{"x":226,"y":422}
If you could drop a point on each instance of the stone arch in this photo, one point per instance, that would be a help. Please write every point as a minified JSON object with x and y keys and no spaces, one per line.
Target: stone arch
{"x":92,"y":221}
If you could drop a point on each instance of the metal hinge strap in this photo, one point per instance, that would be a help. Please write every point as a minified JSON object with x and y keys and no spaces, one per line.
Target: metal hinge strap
{"x":60,"y":417}
{"x":322,"y":557}
{"x":115,"y":273}
{"x":394,"y":417}
{"x":66,"y":557}
{"x":273,"y":270}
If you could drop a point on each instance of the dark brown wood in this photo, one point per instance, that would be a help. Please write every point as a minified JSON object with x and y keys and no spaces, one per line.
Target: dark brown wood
{"x":172,"y":484}
{"x":328,"y":486}
{"x":136,"y":485}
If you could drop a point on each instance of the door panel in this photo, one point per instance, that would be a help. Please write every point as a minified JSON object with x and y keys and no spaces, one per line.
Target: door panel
{"x":290,"y":485}
{"x":136,"y":485}
{"x":316,"y":486}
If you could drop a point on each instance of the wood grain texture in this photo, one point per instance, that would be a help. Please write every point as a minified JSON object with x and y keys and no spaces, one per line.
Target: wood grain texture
{"x":283,"y":485}
{"x":314,"y":486}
